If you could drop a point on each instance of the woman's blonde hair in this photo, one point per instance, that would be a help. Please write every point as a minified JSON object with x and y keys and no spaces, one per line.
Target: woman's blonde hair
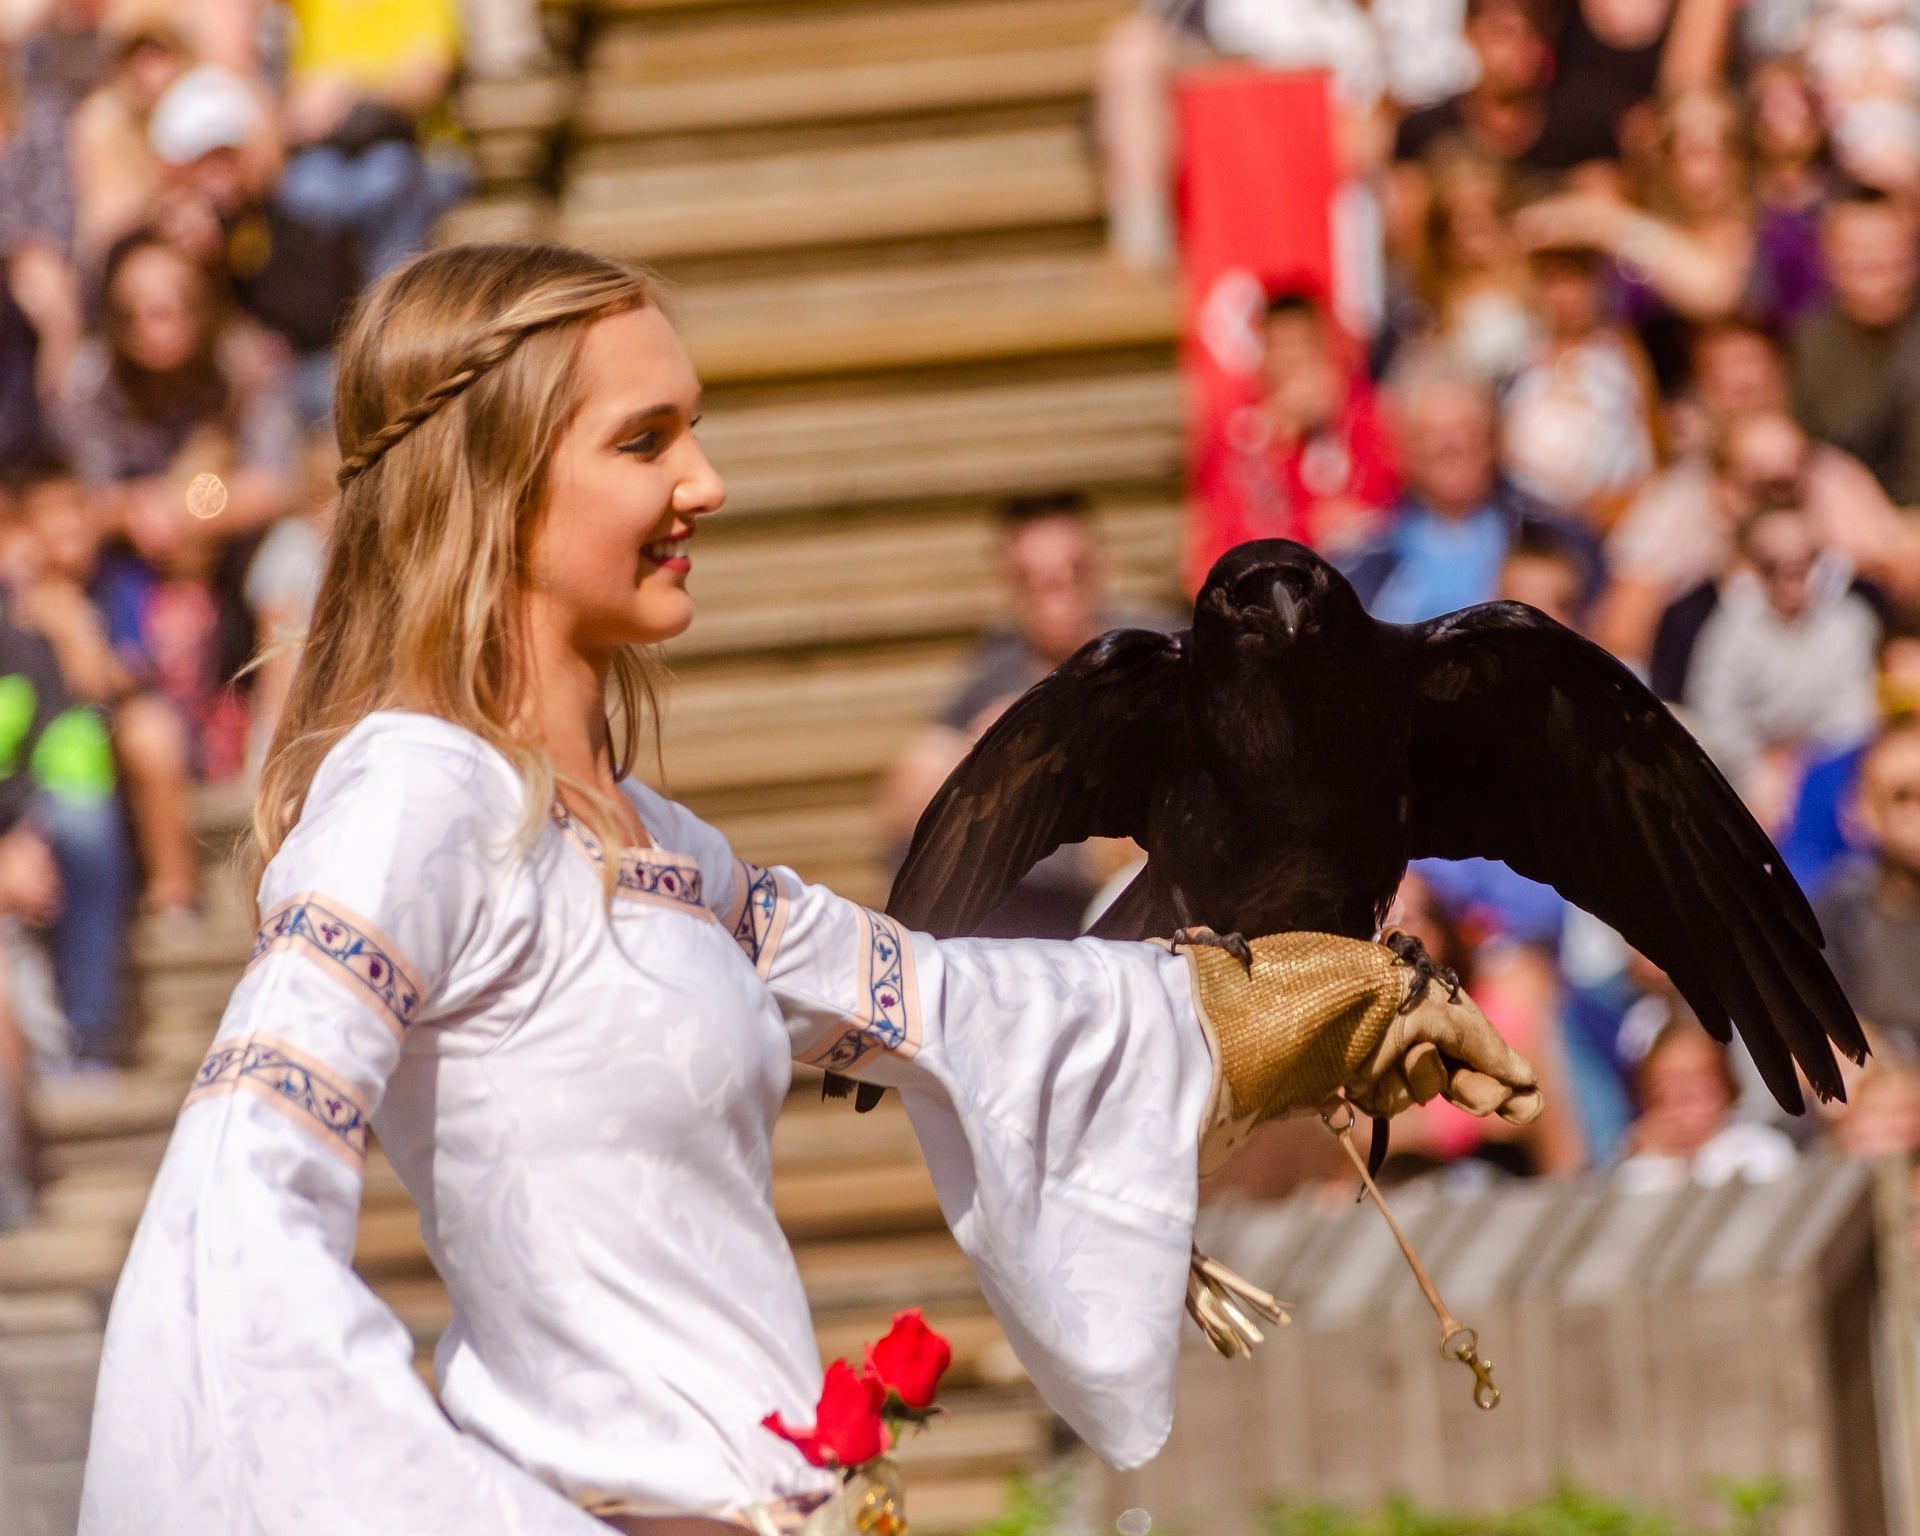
{"x":457,"y":375}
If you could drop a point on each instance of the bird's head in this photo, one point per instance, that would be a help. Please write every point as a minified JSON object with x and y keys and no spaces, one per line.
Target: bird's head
{"x":1276,"y":591}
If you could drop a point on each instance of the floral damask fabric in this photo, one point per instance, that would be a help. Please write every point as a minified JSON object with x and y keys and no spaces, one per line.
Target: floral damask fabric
{"x":580,"y":1098}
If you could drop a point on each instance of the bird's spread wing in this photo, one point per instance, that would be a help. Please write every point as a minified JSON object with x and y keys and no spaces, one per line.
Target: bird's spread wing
{"x":1074,"y":757}
{"x":1534,"y":746}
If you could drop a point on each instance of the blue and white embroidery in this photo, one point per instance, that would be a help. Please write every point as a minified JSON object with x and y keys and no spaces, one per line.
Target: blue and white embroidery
{"x":294,"y":1083}
{"x":887,"y":1002}
{"x":325,"y":933}
{"x":759,"y":913}
{"x":646,"y":874}
{"x":887,"y":983}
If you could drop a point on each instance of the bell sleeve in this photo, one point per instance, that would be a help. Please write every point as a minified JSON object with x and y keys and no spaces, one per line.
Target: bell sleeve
{"x":1057,"y":1091}
{"x":250,"y":1382}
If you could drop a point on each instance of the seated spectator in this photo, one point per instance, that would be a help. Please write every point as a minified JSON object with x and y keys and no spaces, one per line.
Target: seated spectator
{"x":115,"y":172}
{"x":75,"y":809}
{"x":1791,"y":181}
{"x":1881,"y":1117}
{"x":1311,"y":459}
{"x":1610,"y":58}
{"x":1678,"y":533}
{"x":1474,"y":282}
{"x":175,"y":621}
{"x":1686,"y":1130}
{"x":40,"y":315}
{"x":293,"y":276}
{"x":1452,"y":532}
{"x":1701,"y":249}
{"x":1856,"y":360}
{"x":51,"y":583}
{"x":1549,"y":567}
{"x":169,"y":370}
{"x":1823,"y":831}
{"x":1864,"y":57}
{"x":366,"y":79}
{"x":1780,"y":668}
{"x":1501,"y":115}
{"x":62,"y":868}
{"x":1056,"y":583}
{"x":1870,"y":910}
{"x":1578,"y":420}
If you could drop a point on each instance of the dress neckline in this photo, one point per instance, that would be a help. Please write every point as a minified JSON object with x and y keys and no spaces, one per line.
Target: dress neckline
{"x":643,"y":853}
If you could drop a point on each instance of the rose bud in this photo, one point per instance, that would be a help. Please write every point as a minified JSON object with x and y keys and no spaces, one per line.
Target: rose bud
{"x":911,"y":1359}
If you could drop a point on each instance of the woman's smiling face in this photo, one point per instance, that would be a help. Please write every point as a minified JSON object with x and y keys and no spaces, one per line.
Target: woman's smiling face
{"x":625,"y":485}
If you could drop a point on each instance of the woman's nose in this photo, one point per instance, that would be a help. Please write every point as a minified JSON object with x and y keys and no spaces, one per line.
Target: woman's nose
{"x":702,"y":490}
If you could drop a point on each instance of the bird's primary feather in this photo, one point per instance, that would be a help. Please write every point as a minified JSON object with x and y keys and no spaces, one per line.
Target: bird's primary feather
{"x":1534,"y":746}
{"x":1075,"y":757}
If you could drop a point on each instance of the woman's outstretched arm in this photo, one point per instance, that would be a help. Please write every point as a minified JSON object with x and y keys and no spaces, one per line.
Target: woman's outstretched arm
{"x":1057,"y":1091}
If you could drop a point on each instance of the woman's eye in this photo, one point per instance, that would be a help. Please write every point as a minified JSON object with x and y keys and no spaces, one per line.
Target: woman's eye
{"x":645,"y":446}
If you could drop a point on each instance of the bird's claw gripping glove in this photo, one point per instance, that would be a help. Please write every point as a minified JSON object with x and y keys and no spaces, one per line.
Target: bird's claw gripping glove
{"x":1315,"y":1015}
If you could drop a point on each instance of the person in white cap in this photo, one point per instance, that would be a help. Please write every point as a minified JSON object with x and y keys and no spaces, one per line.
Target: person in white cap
{"x":217,"y":141}
{"x":213,"y":123}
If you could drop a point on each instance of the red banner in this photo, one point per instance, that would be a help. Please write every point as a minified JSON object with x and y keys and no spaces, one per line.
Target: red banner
{"x":1257,"y":181}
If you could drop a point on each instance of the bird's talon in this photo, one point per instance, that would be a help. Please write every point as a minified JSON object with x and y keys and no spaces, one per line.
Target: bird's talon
{"x":1411,"y":952}
{"x":1205,"y":938}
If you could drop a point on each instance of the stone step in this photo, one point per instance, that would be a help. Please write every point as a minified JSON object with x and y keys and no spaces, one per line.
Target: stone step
{"x":821,"y":197}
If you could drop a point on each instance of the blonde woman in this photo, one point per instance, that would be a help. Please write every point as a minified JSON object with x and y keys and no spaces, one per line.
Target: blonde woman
{"x":570,"y":1011}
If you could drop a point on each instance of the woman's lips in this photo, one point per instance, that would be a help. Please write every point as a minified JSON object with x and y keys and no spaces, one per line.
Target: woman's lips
{"x":668,"y":554}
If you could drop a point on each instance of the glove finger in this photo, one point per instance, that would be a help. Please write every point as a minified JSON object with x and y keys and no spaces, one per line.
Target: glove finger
{"x":1462,"y":1031}
{"x":1523,"y":1107}
{"x":1425,"y":1072}
{"x":1386,"y":1096}
{"x":1475,"y":1092}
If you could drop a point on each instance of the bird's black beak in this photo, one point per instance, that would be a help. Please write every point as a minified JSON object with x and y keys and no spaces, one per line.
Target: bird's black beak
{"x":1288,"y":607}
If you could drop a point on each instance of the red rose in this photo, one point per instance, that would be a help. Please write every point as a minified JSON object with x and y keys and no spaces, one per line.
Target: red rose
{"x":911,"y":1359}
{"x":847,"y":1427}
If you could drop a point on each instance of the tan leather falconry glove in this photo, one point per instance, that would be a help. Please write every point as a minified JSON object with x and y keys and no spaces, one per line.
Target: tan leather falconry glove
{"x":1317,"y":1014}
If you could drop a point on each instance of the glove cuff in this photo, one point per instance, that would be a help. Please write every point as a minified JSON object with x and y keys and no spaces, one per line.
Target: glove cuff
{"x":1288,"y":1034}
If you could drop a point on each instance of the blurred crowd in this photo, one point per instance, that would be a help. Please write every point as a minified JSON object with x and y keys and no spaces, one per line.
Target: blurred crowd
{"x":191,"y":194}
{"x":1625,"y":324}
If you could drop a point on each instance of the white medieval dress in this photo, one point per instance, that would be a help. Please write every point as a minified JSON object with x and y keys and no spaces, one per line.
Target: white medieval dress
{"x":581,"y":1101}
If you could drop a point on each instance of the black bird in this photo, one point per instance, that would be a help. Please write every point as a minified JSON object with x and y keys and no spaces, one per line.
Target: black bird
{"x":1282,"y":760}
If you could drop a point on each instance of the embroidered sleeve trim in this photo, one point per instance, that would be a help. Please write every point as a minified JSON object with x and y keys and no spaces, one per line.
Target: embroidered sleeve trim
{"x":757,"y":916}
{"x":347,"y":945}
{"x":656,"y":876}
{"x":888,"y":1017}
{"x":306,"y":1090}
